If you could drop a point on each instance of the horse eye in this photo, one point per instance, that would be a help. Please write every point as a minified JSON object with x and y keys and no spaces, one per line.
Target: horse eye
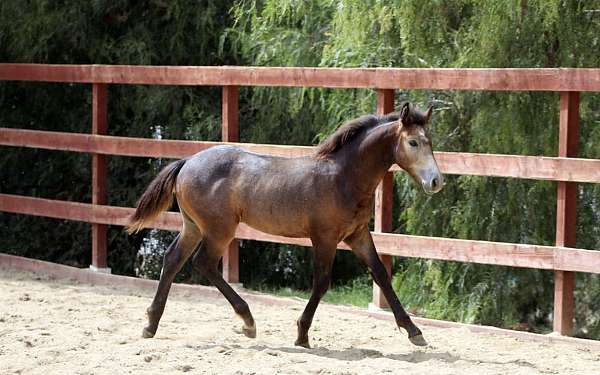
{"x":413,"y":143}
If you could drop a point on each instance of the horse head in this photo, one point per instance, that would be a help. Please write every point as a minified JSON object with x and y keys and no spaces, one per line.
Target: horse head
{"x":413,"y":151}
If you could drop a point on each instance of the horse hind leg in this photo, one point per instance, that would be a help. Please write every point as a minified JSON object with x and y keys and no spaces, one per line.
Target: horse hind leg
{"x":178,"y":252}
{"x":206,"y":260}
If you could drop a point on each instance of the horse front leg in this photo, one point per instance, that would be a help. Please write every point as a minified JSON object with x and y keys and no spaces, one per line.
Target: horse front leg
{"x":362,"y":245}
{"x":324,"y":254}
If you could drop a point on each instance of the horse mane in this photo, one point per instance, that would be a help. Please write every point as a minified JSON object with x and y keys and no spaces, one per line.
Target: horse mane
{"x":351,"y":130}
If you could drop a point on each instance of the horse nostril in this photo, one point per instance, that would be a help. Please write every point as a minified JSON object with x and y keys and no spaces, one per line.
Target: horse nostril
{"x":434,"y":183}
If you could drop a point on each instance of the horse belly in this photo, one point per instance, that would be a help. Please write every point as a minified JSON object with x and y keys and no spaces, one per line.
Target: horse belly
{"x":277,"y":221}
{"x":278,"y":196}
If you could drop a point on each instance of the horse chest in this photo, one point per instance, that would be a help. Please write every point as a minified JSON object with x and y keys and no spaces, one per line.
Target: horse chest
{"x":357,"y":214}
{"x":363,"y":215}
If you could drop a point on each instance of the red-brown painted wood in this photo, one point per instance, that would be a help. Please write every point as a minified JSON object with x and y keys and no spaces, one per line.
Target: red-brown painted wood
{"x":564,"y":302}
{"x":566,"y":213}
{"x":99,"y":170}
{"x":383,"y":223}
{"x":230,"y":114}
{"x":129,"y":146}
{"x":231,"y":262}
{"x":245,"y":232}
{"x":484,"y":252}
{"x":517,"y":166}
{"x":531,"y":167}
{"x":86,"y":212}
{"x":384,"y":199}
{"x":511,"y":79}
{"x":231,"y":133}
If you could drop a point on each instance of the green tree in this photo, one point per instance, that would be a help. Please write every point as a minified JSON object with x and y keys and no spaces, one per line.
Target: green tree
{"x":180,"y":32}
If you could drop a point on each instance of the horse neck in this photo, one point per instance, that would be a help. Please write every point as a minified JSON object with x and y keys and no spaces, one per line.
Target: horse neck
{"x":368,"y":158}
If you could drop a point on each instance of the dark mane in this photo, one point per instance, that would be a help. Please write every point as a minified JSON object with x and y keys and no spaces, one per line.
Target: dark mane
{"x":350,"y":130}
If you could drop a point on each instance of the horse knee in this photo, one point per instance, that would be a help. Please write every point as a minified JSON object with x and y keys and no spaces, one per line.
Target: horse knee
{"x":171,"y":262}
{"x":321,"y":286}
{"x":380,"y":276}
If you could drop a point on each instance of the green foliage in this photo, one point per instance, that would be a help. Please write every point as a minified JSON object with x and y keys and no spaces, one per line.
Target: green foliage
{"x":355,"y":292}
{"x":473,"y":293}
{"x":180,"y":32}
{"x":276,"y":265}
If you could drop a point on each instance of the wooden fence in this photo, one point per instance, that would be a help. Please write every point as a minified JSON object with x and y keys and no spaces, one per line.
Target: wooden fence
{"x":566,"y":169}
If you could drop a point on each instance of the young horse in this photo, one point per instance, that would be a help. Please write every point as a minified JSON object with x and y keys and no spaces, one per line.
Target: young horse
{"x":327,"y":197}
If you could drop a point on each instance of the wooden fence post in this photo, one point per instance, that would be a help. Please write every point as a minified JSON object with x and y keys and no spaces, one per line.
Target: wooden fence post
{"x":231,"y":133}
{"x":99,"y":186}
{"x":384,"y":199}
{"x":566,"y":212}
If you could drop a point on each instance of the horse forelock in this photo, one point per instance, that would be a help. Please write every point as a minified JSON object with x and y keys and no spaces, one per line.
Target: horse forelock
{"x":416,"y":117}
{"x":415,"y":123}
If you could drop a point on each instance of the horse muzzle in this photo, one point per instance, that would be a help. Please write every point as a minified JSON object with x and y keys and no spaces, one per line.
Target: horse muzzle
{"x":432,"y":183}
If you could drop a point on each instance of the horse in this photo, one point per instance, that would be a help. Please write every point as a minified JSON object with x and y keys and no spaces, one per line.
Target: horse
{"x":327,"y":197}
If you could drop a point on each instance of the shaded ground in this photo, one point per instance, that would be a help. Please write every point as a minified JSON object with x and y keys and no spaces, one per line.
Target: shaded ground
{"x":57,"y":327}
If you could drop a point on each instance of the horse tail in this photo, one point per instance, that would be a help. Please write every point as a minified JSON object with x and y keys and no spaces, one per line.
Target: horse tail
{"x":157,"y":198}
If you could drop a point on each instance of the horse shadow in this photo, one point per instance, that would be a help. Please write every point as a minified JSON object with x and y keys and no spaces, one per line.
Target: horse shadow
{"x":418,"y":356}
{"x":358,"y":354}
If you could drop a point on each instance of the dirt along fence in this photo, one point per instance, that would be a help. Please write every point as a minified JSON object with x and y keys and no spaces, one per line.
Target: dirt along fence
{"x":566,"y":169}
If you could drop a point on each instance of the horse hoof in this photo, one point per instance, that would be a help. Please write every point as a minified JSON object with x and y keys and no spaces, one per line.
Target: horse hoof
{"x":418,"y":340}
{"x":249,"y":331}
{"x":303,"y":344}
{"x":147,"y":334}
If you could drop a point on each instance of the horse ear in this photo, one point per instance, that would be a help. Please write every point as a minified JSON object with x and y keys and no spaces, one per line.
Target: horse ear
{"x":428,"y":114}
{"x":405,"y":113}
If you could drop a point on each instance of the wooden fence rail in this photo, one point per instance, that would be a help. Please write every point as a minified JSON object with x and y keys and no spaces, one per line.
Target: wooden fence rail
{"x":459,"y":163}
{"x":566,"y":169}
{"x":556,"y":79}
{"x":483,"y":252}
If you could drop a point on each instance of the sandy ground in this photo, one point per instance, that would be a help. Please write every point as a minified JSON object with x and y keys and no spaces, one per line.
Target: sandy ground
{"x":60,"y":327}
